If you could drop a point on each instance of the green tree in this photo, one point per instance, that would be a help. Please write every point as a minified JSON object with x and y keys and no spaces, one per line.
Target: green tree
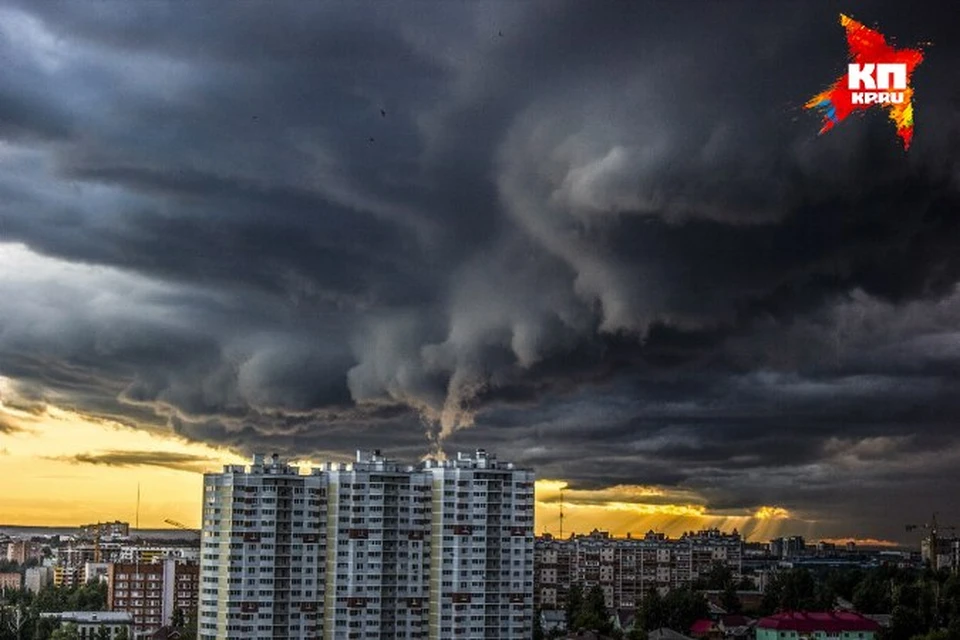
{"x":904,"y":624}
{"x":66,"y":632}
{"x":574,"y":601}
{"x":103,"y":633}
{"x":729,"y":599}
{"x":684,"y":607}
{"x":718,"y":578}
{"x":189,"y":631}
{"x":651,"y":614}
{"x":179,"y":619}
{"x":538,"y":633}
{"x":123,"y":634}
{"x":593,"y":614}
{"x":637,"y":633}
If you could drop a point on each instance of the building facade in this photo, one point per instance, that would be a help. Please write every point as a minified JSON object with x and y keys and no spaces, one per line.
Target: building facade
{"x":263,"y":552}
{"x":20,"y":551}
{"x":36,"y":578}
{"x":11,"y":580}
{"x":152,"y":593}
{"x":627,"y":568}
{"x":482,"y":548}
{"x":368,"y":549}
{"x":115,"y":529}
{"x":378,"y":549}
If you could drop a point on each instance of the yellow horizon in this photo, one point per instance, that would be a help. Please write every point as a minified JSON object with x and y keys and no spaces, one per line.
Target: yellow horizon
{"x":59,"y":468}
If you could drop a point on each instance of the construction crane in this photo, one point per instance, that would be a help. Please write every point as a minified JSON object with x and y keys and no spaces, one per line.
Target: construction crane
{"x":934,"y":528}
{"x":178,"y":525}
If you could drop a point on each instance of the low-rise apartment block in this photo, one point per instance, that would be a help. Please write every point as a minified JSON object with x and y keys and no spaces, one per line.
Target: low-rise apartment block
{"x":627,"y":568}
{"x":152,"y":593}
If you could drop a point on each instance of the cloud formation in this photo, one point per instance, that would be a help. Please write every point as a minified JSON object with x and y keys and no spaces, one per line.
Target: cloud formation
{"x":606,"y":242}
{"x":167,"y":459}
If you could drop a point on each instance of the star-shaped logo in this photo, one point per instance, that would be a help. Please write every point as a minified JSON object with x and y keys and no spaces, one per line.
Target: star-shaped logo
{"x":878,"y":76}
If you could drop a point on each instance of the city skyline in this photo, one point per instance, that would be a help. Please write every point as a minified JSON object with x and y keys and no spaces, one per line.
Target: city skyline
{"x":602,"y":240}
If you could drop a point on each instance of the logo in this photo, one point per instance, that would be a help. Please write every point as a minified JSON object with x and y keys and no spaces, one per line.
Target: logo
{"x":878,"y":75}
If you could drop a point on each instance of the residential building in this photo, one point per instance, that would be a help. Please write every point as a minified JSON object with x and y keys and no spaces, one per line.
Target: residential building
{"x":105,"y":530}
{"x":482,"y":548}
{"x":263,"y":553}
{"x":36,"y":578}
{"x":368,"y":549}
{"x":91,"y":623}
{"x":96,"y":571}
{"x":787,"y":547}
{"x":20,"y":551}
{"x":148,"y":554}
{"x":11,"y":580}
{"x":627,"y":568}
{"x":814,"y":625}
{"x":152,"y":593}
{"x":941,"y":552}
{"x":378,"y":549}
{"x":68,"y":575}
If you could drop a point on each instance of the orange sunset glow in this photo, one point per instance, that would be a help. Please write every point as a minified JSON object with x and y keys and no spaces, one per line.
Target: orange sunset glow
{"x":62,"y":468}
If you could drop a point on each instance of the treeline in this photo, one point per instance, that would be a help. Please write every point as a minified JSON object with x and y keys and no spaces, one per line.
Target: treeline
{"x":923,"y":604}
{"x":20,"y":610}
{"x":587,"y":611}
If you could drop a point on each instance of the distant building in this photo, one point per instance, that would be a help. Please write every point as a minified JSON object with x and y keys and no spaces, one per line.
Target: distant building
{"x":627,"y":568}
{"x":36,"y":578}
{"x":21,"y":551}
{"x":90,"y":623}
{"x":67,"y":576}
{"x":105,"y":530}
{"x":787,"y":547}
{"x":155,"y":553}
{"x":941,"y":552}
{"x":152,"y":593}
{"x":77,"y":555}
{"x":12,"y":580}
{"x":801,"y":624}
{"x":95,"y":571}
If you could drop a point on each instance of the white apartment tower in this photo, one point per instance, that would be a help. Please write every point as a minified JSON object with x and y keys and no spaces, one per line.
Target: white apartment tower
{"x":368,"y":550}
{"x":263,"y":552}
{"x":378,"y":549}
{"x":481,"y":574}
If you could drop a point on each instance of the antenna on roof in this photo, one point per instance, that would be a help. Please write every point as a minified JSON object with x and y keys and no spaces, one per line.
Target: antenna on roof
{"x":561,"y":514}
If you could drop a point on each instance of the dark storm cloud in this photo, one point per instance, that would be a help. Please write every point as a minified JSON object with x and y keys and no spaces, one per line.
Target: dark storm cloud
{"x":169,"y":460}
{"x":608,"y":239}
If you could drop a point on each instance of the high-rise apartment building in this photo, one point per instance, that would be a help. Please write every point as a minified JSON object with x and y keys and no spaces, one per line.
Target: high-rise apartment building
{"x":378,"y":549}
{"x":368,"y":549}
{"x":481,"y":548}
{"x":627,"y":568}
{"x":263,"y":552}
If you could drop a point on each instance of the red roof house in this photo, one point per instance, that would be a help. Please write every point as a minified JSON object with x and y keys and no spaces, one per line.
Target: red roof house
{"x":808,"y":623}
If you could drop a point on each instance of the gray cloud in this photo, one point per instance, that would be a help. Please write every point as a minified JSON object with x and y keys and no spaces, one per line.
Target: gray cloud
{"x":170,"y":460}
{"x":608,"y":241}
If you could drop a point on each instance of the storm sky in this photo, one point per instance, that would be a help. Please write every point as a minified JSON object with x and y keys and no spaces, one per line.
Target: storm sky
{"x":601,"y":239}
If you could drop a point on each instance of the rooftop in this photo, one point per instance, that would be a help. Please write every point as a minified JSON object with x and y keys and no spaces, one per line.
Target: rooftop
{"x":807,"y":621}
{"x":91,"y":617}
